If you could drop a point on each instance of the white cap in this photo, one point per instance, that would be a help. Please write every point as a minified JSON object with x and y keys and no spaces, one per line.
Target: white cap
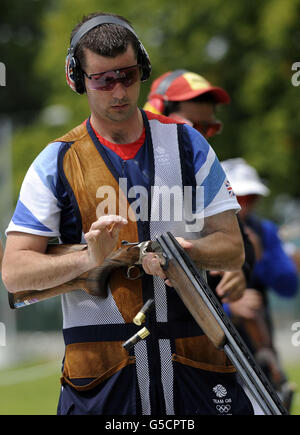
{"x":243,"y":178}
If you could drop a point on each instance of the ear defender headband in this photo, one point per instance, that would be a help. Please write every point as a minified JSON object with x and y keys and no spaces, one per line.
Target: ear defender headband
{"x":157,"y":100}
{"x":74,"y":75}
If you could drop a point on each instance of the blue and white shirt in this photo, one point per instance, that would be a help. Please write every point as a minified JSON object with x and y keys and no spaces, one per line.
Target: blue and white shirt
{"x":43,"y":207}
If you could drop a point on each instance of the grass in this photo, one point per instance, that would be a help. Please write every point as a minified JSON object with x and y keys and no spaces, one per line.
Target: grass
{"x":30,"y":389}
{"x":33,"y":388}
{"x":293,"y":374}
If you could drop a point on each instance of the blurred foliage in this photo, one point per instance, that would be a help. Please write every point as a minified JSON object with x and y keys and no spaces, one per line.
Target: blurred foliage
{"x":21,"y":38}
{"x":247,"y":48}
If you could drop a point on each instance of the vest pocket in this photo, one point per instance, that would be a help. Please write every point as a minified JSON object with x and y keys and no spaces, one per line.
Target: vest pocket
{"x":86,"y":365}
{"x":199,"y":352}
{"x":203,"y":366}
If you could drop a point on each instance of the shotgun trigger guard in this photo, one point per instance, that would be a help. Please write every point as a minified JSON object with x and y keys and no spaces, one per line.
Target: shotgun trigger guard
{"x":134,"y":272}
{"x":131,"y":272}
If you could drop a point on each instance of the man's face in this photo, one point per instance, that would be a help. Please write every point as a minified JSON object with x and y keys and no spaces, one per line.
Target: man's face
{"x":117,"y":104}
{"x":201,"y":115}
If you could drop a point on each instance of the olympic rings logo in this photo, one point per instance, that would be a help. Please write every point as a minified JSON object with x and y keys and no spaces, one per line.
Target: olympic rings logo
{"x":223,"y":408}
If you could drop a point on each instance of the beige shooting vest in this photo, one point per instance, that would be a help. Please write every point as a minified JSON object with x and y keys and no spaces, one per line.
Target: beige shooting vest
{"x":84,"y":316}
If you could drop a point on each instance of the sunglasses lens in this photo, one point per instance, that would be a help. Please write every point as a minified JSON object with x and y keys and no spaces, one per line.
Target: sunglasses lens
{"x":129,"y":78}
{"x":108,"y":80}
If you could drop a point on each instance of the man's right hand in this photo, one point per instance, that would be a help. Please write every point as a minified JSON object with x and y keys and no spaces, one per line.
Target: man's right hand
{"x":102,"y":237}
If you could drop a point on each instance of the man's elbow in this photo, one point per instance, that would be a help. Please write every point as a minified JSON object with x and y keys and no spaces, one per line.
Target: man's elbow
{"x":242,"y":257}
{"x":239,"y":256}
{"x":9,"y":279}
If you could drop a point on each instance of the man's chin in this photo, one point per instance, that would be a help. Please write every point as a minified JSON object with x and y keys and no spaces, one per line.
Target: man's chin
{"x":120,"y":114}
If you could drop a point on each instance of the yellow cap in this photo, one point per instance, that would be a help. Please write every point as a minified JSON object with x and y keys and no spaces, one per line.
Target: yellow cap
{"x":143,"y":333}
{"x":139,"y":318}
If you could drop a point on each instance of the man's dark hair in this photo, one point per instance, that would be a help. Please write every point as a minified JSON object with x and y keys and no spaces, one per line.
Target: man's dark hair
{"x":106,"y":39}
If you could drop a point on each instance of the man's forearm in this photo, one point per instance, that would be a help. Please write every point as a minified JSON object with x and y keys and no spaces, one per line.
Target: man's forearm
{"x":26,"y":266}
{"x":221,"y":246}
{"x":30,"y":270}
{"x":218,"y":251}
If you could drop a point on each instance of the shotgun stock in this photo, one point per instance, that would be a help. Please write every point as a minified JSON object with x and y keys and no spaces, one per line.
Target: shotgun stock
{"x":94,"y":282}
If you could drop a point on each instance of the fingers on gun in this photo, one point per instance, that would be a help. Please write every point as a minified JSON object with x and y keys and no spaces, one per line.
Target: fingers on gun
{"x":185,"y":244}
{"x":111,"y":223}
{"x":152,"y":265}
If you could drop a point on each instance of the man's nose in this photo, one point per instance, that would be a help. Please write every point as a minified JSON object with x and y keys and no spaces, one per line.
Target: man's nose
{"x":119,"y":91}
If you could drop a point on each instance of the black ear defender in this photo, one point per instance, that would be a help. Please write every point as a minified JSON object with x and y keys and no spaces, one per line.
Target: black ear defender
{"x":74,"y":74}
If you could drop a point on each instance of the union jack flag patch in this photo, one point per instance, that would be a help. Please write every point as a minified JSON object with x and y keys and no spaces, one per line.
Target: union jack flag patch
{"x":229,"y":188}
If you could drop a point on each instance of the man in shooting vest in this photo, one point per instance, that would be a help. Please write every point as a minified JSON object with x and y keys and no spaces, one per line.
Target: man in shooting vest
{"x":98,"y":185}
